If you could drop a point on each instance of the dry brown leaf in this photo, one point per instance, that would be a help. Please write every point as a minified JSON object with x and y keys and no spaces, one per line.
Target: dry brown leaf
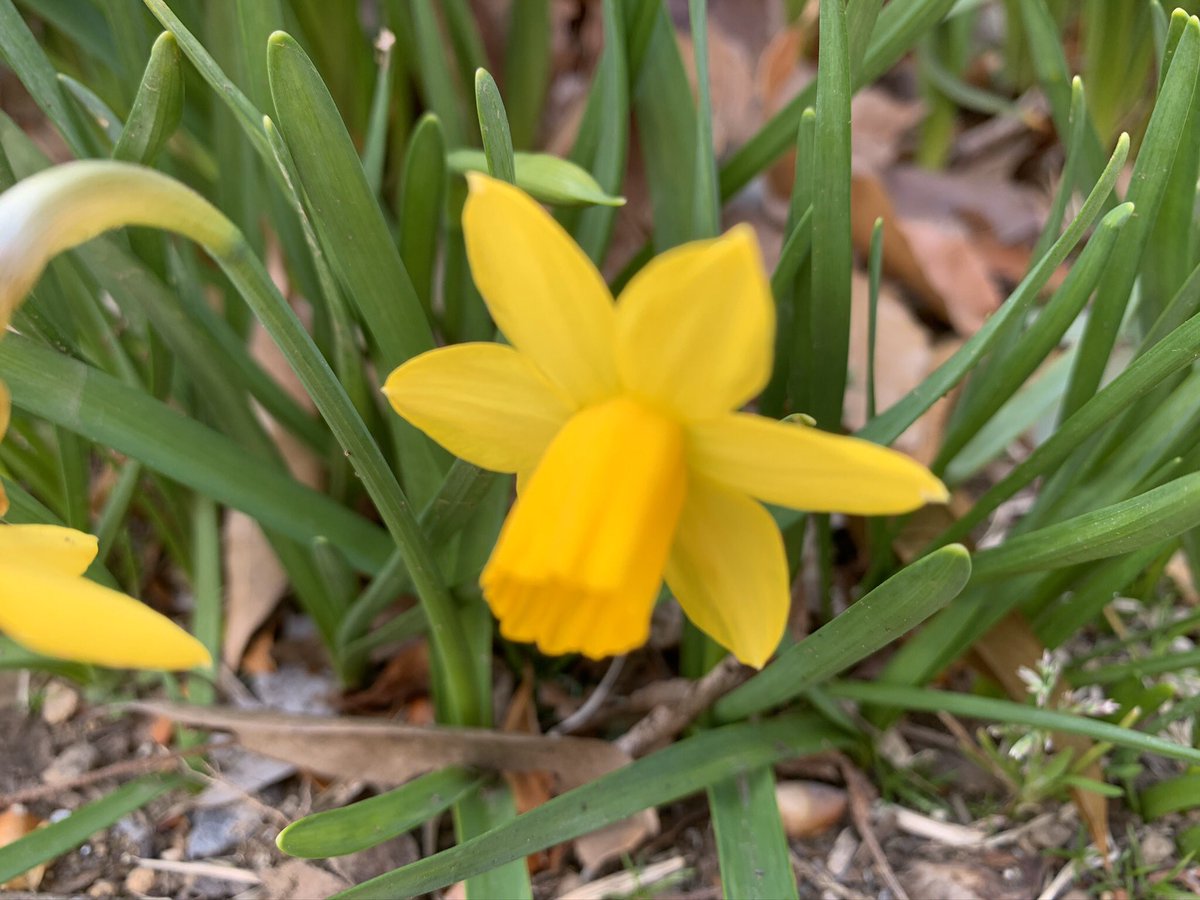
{"x":259,"y":658}
{"x":254,"y":583}
{"x":388,"y":753}
{"x":16,"y":822}
{"x":406,"y":675}
{"x":903,"y":357}
{"x":1180,"y":572}
{"x":933,"y":259}
{"x":1013,"y":212}
{"x":957,"y":272}
{"x":161,"y":730}
{"x":809,"y":808}
{"x":879,"y":124}
{"x":616,"y":840}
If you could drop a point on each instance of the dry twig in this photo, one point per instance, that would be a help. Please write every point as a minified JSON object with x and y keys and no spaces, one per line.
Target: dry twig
{"x":860,"y":812}
{"x":664,"y":722}
{"x":125,"y":769}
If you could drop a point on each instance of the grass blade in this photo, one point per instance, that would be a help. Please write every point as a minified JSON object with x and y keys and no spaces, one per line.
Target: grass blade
{"x":102,"y":409}
{"x":1148,"y":519}
{"x":493,"y":126}
{"x":706,"y":204}
{"x":832,"y":254}
{"x":751,"y":846}
{"x":1149,"y":182}
{"x":23,"y":55}
{"x":1006,"y":711}
{"x":422,"y":193}
{"x":527,"y":68}
{"x":898,"y":26}
{"x":370,"y":822}
{"x":666,"y":120}
{"x":158,"y":106}
{"x":60,"y":837}
{"x":347,"y":217}
{"x":1001,"y":377}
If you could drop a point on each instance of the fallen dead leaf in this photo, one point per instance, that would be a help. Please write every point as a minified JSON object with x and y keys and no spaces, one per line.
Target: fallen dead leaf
{"x":255,"y":582}
{"x":809,"y":808}
{"x":161,"y":730}
{"x":903,"y":356}
{"x":1013,"y":212}
{"x":368,"y":749}
{"x":259,"y":657}
{"x":16,"y":822}
{"x":956,"y":271}
{"x":1180,"y":572}
{"x":405,"y":676}
{"x":935,"y":259}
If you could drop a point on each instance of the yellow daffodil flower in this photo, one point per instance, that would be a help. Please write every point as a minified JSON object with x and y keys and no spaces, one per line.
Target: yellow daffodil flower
{"x":621,"y":423}
{"x":47,"y":606}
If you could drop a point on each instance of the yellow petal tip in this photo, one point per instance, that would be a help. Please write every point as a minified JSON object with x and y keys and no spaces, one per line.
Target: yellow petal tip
{"x":477,"y":181}
{"x":935,"y":492}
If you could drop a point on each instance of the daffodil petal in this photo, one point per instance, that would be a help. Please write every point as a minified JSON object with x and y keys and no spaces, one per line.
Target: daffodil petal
{"x":544,"y":294}
{"x":486,"y":403}
{"x":69,"y":617}
{"x":579,"y":561}
{"x":801,"y":467}
{"x":696,"y":326}
{"x":729,"y":571}
{"x":62,"y":550}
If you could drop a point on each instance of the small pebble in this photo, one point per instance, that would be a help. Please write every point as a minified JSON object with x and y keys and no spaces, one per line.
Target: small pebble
{"x":140,"y":880}
{"x":102,"y":889}
{"x":1156,"y":848}
{"x":70,"y":764}
{"x":59,"y":703}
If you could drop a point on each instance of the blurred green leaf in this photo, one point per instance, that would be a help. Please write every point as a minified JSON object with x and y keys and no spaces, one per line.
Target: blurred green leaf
{"x":1147,"y":188}
{"x":423,"y":189}
{"x":158,"y":107}
{"x":370,"y":822}
{"x":1145,"y":520}
{"x":57,"y":838}
{"x":100,"y":408}
{"x":493,"y":126}
{"x":546,"y":178}
{"x":751,"y":847}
